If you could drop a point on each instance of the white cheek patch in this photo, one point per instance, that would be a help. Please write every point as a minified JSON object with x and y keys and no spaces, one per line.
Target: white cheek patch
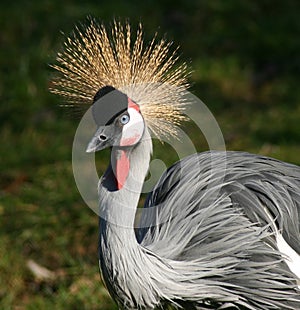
{"x":133,"y":131}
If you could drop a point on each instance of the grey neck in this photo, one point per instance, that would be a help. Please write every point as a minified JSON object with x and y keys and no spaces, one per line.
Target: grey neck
{"x":118,"y":246}
{"x":118,"y":207}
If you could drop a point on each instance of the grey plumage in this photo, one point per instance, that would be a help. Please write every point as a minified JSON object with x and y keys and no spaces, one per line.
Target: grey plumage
{"x":214,"y":245}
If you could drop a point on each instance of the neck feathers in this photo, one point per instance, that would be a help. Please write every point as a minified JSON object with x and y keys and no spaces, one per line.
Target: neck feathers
{"x":117,"y":202}
{"x":118,"y":245}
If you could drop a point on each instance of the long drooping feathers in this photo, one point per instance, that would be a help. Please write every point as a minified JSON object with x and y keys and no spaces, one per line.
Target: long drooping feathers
{"x":94,"y":57}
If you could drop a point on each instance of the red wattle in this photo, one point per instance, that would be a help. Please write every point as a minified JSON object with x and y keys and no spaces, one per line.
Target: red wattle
{"x":122,"y":169}
{"x":132,"y":104}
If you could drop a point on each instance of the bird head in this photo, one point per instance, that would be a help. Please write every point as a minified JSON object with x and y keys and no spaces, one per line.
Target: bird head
{"x":130,"y":85}
{"x":118,"y":118}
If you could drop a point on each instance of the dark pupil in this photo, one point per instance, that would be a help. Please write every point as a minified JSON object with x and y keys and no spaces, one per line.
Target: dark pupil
{"x":124,"y":119}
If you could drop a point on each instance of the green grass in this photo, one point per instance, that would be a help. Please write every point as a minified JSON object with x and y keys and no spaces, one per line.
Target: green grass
{"x":244,"y":68}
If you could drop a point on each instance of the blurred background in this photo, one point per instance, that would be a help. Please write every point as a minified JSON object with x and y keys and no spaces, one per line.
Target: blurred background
{"x":244,"y":57}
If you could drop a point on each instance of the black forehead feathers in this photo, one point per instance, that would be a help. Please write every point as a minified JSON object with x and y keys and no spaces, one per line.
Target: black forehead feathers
{"x":108,"y":103}
{"x":102,"y":92}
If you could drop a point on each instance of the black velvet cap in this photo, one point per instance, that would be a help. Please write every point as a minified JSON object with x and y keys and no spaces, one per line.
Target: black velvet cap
{"x":108,"y":103}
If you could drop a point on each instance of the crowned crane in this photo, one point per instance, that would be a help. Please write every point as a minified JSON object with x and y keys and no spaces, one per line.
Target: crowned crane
{"x":217,"y":238}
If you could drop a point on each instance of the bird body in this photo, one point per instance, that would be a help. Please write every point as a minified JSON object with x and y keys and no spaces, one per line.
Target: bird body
{"x":222,"y":252}
{"x":220,"y":230}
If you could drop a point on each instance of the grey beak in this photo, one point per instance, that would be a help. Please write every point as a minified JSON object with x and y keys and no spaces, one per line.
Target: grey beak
{"x":93,"y":145}
{"x":101,"y":140}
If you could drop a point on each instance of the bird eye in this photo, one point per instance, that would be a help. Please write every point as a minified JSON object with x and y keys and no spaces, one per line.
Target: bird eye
{"x":124,"y":119}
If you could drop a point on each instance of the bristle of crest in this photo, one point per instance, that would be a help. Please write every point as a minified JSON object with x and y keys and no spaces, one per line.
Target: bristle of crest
{"x":95,"y":57}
